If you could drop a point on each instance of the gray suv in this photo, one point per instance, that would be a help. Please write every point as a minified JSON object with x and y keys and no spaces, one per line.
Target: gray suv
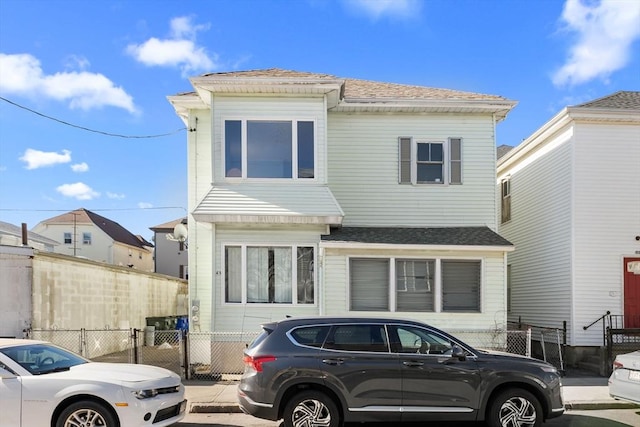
{"x":324,"y":371}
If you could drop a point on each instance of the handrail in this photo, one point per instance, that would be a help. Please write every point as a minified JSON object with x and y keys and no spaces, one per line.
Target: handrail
{"x":596,"y":321}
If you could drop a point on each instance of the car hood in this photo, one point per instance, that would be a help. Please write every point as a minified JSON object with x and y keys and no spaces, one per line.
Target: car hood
{"x":117,"y":372}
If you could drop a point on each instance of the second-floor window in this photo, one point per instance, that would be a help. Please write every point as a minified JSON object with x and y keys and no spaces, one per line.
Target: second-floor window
{"x":269,"y":149}
{"x":67,"y":239}
{"x":506,"y":200}
{"x":430,"y":162}
{"x":86,"y":238}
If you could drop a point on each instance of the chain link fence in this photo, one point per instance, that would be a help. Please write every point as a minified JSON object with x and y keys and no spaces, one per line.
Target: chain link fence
{"x":216,"y":356}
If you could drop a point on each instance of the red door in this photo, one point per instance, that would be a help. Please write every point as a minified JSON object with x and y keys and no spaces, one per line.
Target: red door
{"x":632,"y":292}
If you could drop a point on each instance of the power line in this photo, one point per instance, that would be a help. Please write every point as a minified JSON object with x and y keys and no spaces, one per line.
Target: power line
{"x":96,"y":210}
{"x":88,"y":129}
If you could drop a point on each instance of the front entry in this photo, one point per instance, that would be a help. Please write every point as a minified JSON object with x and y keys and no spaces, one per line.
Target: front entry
{"x":632,"y":292}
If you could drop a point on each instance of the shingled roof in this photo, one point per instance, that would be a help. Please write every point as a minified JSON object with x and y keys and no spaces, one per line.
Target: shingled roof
{"x":627,"y":100}
{"x":358,"y":89}
{"x":448,"y":236}
{"x":111,"y":228}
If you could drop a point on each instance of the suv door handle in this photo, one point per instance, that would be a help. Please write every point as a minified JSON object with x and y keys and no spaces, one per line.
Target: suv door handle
{"x":333,"y":362}
{"x":412,"y":363}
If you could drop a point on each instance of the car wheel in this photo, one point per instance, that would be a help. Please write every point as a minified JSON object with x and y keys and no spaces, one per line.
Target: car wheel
{"x":311,"y":409}
{"x":86,"y":413}
{"x":515,"y":408}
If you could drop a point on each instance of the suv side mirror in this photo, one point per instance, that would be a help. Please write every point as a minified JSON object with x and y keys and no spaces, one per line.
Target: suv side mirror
{"x":458,"y":353}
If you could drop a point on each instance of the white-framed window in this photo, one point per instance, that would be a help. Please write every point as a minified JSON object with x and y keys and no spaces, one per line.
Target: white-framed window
{"x":424,"y":161}
{"x":67,"y":238}
{"x":505,"y":209}
{"x":269,"y":274}
{"x":86,"y":238}
{"x":415,"y":285}
{"x":269,"y":149}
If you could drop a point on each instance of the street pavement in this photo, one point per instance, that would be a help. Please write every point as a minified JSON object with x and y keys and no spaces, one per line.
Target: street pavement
{"x":580,"y":392}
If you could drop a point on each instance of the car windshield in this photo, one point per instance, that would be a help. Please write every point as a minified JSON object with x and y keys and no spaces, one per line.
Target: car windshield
{"x":39,"y":358}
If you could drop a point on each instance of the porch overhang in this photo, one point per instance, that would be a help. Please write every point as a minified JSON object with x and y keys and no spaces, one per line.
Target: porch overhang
{"x":270,"y":204}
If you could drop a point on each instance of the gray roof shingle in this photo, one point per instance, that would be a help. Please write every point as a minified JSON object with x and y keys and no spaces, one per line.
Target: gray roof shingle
{"x":624,"y":99}
{"x":458,"y":236}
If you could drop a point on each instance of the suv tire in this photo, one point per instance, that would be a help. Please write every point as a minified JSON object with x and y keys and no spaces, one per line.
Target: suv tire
{"x":515,"y":408}
{"x":311,"y":408}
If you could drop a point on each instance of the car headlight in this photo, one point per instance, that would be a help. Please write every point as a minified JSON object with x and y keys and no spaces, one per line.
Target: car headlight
{"x":145,"y":394}
{"x":550,"y":369}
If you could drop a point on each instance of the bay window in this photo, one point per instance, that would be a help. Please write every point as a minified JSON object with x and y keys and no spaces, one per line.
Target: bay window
{"x":269,"y":149}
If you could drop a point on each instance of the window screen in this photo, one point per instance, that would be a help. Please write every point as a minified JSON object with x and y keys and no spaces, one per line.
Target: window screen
{"x":460,"y":285}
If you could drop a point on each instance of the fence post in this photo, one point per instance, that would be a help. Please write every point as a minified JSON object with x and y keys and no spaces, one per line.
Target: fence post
{"x":136,"y":356}
{"x":186,"y":361}
{"x":528,"y":342}
{"x":83,"y":342}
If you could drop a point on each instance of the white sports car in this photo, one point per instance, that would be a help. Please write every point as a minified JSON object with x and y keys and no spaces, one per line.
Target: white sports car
{"x":44,"y":385}
{"x":624,"y":382}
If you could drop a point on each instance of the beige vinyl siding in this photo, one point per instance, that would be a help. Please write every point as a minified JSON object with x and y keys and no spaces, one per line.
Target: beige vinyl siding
{"x":247,"y":318}
{"x":493,"y":314}
{"x":606,"y":218}
{"x":363,"y":171}
{"x":540,"y":229}
{"x":256,"y":108}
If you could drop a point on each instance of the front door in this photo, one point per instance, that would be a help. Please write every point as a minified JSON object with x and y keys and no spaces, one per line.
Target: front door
{"x":632,"y":292}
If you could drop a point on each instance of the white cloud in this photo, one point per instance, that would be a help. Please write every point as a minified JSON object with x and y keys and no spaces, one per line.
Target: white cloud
{"x":37,"y":159}
{"x":115,"y":195}
{"x":393,"y":8}
{"x":80,"y":167}
{"x":179,"y":50}
{"x":604,"y":34}
{"x":22,"y":74}
{"x":145,"y":205}
{"x":78,"y":190}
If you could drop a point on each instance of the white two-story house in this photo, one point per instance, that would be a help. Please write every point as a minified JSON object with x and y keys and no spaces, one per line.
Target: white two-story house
{"x":310,"y":194}
{"x":83,"y":233}
{"x":570,"y":197}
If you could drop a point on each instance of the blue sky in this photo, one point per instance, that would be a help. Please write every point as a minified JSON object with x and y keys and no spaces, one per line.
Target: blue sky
{"x":84,"y":83}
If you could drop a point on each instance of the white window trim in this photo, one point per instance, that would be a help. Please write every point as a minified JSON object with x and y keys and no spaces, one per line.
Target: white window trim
{"x":243,"y":274}
{"x":437,"y":286}
{"x":294,"y":147}
{"x":446,"y":168}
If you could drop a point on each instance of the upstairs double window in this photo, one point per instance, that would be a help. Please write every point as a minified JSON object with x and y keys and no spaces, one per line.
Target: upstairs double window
{"x":430,"y":162}
{"x":269,"y":149}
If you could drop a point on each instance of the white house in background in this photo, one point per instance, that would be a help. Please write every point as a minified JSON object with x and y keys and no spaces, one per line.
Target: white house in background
{"x":12,"y":235}
{"x":170,"y":254}
{"x":571,"y":206}
{"x":86,"y":234}
{"x":313,"y":194}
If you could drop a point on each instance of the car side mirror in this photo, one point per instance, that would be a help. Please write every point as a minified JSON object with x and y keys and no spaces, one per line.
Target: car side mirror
{"x":4,"y":374}
{"x":458,"y":353}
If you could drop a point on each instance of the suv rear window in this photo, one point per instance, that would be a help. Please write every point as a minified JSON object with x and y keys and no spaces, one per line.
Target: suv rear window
{"x":313,"y":336}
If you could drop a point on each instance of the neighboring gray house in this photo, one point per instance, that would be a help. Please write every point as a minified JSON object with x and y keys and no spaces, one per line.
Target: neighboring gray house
{"x":313,"y":194}
{"x":12,"y":235}
{"x":570,"y":203}
{"x":170,"y":254}
{"x":86,"y":234}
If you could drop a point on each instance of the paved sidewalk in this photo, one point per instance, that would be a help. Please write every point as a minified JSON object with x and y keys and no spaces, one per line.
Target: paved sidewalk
{"x":579,"y":392}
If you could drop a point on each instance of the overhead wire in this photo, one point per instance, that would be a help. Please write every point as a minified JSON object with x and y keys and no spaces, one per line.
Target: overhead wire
{"x":89,"y":129}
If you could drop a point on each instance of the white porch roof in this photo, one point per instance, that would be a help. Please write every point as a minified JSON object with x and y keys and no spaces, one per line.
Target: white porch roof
{"x":268,"y":203}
